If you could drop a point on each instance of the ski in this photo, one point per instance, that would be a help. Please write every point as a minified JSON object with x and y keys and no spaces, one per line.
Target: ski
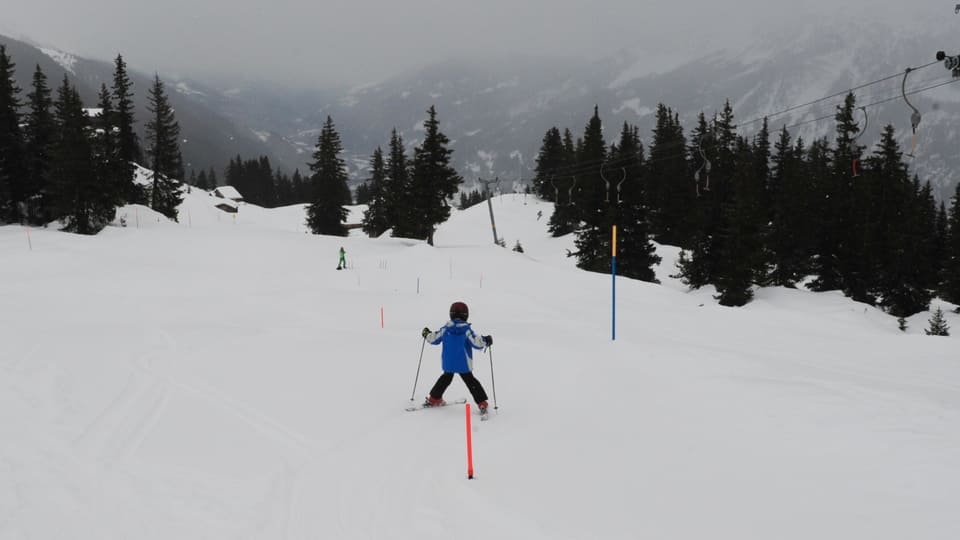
{"x":420,"y":407}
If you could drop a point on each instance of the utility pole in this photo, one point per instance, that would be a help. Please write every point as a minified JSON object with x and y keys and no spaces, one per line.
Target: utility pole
{"x":486,"y":189}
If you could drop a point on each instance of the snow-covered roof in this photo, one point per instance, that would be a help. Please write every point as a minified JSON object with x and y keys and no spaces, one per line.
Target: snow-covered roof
{"x":228,"y":192}
{"x":227,"y":206}
{"x":93,"y":112}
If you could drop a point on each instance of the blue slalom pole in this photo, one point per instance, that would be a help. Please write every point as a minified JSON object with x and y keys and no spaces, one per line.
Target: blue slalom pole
{"x":613,"y":320}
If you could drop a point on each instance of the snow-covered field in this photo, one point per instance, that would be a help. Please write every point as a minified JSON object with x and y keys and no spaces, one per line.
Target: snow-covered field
{"x":218,"y":378}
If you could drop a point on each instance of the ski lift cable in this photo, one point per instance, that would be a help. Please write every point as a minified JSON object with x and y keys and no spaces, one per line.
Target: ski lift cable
{"x":831,"y":96}
{"x":880,"y":101}
{"x":591,"y":166}
{"x":587,"y":167}
{"x":595,"y":165}
{"x":875,"y":103}
{"x":828,"y":108}
{"x":852,"y":145}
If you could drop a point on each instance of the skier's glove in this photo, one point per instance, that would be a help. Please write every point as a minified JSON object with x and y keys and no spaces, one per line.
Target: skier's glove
{"x":488,"y":340}
{"x":425,"y":332}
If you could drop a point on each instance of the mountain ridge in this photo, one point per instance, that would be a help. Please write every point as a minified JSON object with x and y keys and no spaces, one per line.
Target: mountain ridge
{"x":209,"y":137}
{"x":495,"y":108}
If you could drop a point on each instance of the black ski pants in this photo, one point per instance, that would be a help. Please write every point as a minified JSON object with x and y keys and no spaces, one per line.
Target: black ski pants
{"x":476,"y":389}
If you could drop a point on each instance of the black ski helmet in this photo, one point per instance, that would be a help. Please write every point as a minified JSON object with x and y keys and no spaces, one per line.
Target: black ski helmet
{"x":459,"y":311}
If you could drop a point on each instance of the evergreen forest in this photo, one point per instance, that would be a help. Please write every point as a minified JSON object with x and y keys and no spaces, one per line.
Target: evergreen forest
{"x":768,"y":209}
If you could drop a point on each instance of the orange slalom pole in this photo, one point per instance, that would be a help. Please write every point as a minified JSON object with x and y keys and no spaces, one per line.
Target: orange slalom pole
{"x":469,"y":447}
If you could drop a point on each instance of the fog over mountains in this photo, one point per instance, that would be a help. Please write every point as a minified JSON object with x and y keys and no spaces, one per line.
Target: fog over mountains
{"x":496,"y":109}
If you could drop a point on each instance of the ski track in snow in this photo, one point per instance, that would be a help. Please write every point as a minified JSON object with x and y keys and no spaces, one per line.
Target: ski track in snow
{"x":120,"y":429}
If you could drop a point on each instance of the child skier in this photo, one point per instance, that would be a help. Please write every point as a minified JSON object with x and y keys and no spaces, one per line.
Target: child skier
{"x":343,"y":259}
{"x":458,"y":340}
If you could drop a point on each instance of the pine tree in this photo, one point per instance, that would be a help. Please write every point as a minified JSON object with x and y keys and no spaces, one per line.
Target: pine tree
{"x":13,"y":190}
{"x":565,"y":218}
{"x":433,"y":179}
{"x":697,"y":262}
{"x":726,"y":141}
{"x":163,"y":140}
{"x":261,"y":178}
{"x":285,"y":194}
{"x":551,"y":159}
{"x":128,"y":142}
{"x":471,"y":198}
{"x":397,"y":201}
{"x":39,"y":133}
{"x":856,"y":253}
{"x":109,"y":167}
{"x":761,"y":155}
{"x":672,"y":192}
{"x":761,"y":197}
{"x":362,"y":194}
{"x":326,"y":213}
{"x":376,"y":218}
{"x":592,"y":201}
{"x":825,"y":265}
{"x":202,"y":181}
{"x":807,"y":197}
{"x":701,"y":264}
{"x":941,"y":243}
{"x":636,"y":254}
{"x":302,"y":188}
{"x":788,"y":216}
{"x":901,"y":285}
{"x":951,"y":266}
{"x":80,"y":199}
{"x":234,"y":176}
{"x":740,"y":256}
{"x":930,"y":246}
{"x":938,"y":324}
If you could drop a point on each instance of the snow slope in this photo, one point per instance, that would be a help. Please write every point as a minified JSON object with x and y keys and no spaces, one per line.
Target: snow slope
{"x":218,"y":378}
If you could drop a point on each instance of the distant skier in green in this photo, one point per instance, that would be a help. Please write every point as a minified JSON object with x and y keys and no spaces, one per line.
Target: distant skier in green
{"x":343,"y":259}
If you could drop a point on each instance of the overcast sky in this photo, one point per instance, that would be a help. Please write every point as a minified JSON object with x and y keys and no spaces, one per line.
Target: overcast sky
{"x":349,"y":42}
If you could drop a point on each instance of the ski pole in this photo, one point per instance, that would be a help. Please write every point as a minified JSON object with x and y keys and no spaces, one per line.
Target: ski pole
{"x":493,"y":381}
{"x":418,"y":369}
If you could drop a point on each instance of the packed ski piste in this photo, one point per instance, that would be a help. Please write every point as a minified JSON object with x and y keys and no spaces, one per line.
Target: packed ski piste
{"x":218,"y":378}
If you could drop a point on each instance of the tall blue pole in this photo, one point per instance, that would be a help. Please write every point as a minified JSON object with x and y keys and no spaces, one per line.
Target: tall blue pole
{"x":613,"y":320}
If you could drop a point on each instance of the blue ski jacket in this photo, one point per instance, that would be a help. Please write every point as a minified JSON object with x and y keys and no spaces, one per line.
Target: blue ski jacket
{"x":458,"y":340}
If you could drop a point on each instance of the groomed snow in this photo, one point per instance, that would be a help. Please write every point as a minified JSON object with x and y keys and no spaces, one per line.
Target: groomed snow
{"x":219,"y":378}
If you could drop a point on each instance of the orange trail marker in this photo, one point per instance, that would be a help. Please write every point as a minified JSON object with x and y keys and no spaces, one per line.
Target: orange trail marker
{"x":469,"y":446}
